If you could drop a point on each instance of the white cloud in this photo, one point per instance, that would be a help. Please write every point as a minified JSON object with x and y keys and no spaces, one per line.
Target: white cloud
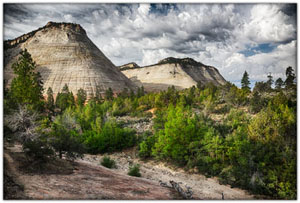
{"x":144,"y":9}
{"x":269,"y":24}
{"x":214,"y":34}
{"x":260,"y":65}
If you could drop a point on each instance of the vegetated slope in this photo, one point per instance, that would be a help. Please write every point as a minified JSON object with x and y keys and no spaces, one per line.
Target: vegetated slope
{"x":181,"y":73}
{"x":65,"y":55}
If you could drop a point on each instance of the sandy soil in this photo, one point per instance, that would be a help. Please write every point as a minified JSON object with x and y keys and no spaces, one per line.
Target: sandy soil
{"x":202,"y":187}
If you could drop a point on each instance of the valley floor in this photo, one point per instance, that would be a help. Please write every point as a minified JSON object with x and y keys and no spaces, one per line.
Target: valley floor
{"x":87,"y":179}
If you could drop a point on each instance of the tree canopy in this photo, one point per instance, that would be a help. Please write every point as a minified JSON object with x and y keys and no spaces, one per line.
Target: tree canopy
{"x":26,"y":87}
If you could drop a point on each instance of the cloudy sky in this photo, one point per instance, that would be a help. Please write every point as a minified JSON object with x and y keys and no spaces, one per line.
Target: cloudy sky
{"x":258,"y":38}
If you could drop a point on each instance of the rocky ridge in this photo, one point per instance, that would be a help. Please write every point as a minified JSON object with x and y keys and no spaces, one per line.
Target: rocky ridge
{"x":181,"y":73}
{"x":65,"y":55}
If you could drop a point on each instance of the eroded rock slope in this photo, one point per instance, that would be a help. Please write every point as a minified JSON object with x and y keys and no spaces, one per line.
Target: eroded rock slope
{"x":181,"y":73}
{"x":65,"y":55}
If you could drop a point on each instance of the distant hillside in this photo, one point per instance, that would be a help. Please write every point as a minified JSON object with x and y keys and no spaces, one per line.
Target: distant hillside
{"x":181,"y":73}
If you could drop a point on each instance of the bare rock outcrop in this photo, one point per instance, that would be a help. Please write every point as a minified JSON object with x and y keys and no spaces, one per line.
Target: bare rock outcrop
{"x":181,"y":73}
{"x":65,"y":55}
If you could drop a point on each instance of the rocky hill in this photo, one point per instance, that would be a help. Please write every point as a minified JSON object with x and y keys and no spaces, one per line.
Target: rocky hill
{"x":65,"y":55}
{"x":181,"y":73}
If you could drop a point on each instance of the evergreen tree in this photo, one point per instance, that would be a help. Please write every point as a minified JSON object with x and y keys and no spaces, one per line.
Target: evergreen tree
{"x":290,"y":77}
{"x":256,"y":103}
{"x":26,"y":87}
{"x":65,"y":99}
{"x":245,"y":81}
{"x":109,"y":95}
{"x":64,"y":136}
{"x":270,"y":81}
{"x":140,"y":91}
{"x":50,"y":100}
{"x":278,"y":83}
{"x":132,"y":95}
{"x":260,"y":87}
{"x":98,"y":95}
{"x":81,"y":97}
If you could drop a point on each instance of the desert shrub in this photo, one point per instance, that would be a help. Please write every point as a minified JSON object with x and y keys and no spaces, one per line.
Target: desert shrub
{"x":66,"y":141}
{"x":135,"y":171}
{"x":65,"y":138}
{"x":181,"y":128}
{"x":235,"y":118}
{"x":146,"y":145}
{"x":108,"y":163}
{"x":111,"y":138}
{"x":256,"y":102}
{"x":38,"y":150}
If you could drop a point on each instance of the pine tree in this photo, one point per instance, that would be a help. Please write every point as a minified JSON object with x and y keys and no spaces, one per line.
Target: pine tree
{"x":132,"y":95}
{"x":278,"y":83}
{"x":290,"y":77}
{"x":65,"y":99}
{"x":245,"y":81}
{"x":50,"y":100}
{"x":81,"y":97}
{"x":27,"y":86}
{"x":270,"y":81}
{"x":98,"y":96}
{"x":140,"y":91}
{"x":109,"y":95}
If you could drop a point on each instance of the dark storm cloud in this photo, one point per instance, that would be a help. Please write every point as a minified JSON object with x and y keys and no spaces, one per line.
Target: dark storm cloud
{"x":289,"y":9}
{"x":13,"y":10}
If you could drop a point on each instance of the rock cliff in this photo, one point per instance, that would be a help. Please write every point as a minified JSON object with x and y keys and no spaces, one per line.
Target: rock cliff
{"x":65,"y":55}
{"x":181,"y":73}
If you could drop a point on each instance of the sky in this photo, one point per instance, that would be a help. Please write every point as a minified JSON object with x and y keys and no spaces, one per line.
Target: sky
{"x":234,"y":38}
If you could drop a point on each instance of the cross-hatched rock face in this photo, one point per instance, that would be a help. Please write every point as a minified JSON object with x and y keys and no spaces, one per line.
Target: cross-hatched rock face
{"x":65,"y":55}
{"x":180,"y":73}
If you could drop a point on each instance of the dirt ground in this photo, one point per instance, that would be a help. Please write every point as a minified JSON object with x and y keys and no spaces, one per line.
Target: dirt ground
{"x":86,"y":182}
{"x":87,"y":179}
{"x":202,"y":187}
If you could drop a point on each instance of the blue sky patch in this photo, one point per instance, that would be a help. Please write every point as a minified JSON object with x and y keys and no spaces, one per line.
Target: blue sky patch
{"x":261,"y":48}
{"x":239,"y":85}
{"x":162,"y":9}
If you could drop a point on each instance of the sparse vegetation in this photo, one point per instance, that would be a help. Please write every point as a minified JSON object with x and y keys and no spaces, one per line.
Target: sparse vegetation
{"x":108,"y":162}
{"x":135,"y":171}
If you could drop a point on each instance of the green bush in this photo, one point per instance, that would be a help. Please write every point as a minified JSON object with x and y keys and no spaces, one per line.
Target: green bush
{"x":146,"y":145}
{"x":135,"y":170}
{"x":108,"y":163}
{"x":38,"y":150}
{"x":111,"y":138}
